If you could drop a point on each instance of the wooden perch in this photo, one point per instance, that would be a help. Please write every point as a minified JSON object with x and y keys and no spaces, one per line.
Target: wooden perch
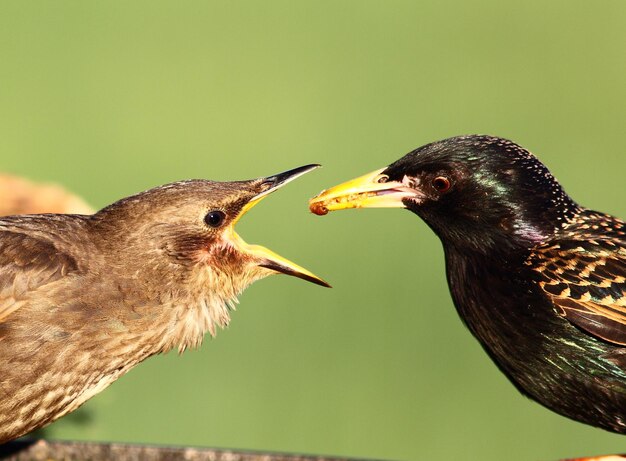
{"x":42,"y":450}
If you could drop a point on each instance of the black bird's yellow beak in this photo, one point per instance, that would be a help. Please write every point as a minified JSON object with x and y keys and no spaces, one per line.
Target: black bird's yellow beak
{"x":373,"y":190}
{"x":265,"y":257}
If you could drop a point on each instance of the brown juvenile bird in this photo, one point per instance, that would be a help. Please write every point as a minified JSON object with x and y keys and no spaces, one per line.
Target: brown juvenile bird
{"x":83,"y":299}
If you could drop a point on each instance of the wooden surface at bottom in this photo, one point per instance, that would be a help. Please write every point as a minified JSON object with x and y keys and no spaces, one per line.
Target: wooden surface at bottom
{"x":42,"y":450}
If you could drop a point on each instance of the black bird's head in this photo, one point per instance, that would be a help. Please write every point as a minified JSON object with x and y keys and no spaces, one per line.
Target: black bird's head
{"x":476,"y":192}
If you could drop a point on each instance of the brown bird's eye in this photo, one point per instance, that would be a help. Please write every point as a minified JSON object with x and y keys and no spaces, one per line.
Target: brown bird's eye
{"x":215,"y":218}
{"x":382,"y":178}
{"x":441,"y":184}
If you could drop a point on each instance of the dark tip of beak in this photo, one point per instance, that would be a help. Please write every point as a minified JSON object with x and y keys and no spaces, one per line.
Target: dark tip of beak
{"x":287,"y":176}
{"x":288,"y":271}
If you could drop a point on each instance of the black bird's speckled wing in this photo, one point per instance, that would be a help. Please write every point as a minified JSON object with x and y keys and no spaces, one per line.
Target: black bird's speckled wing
{"x":27,"y":262}
{"x":584,"y":274}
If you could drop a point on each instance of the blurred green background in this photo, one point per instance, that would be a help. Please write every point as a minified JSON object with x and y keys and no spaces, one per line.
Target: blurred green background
{"x":110,"y":98}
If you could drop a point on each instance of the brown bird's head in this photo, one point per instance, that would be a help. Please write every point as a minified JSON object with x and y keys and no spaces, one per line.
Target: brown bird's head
{"x":177,"y":243}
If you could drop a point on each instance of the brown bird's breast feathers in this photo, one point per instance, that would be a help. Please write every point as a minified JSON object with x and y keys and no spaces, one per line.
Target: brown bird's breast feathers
{"x":68,"y":329}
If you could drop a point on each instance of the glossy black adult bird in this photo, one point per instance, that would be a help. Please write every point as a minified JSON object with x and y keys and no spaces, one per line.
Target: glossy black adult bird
{"x":538,"y":279}
{"x":83,"y":299}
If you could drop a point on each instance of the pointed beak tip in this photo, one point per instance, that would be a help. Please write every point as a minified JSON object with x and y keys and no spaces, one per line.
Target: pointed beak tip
{"x":306,"y":168}
{"x":283,"y":266}
{"x":279,"y":180}
{"x":318,"y":281}
{"x":301,"y":169}
{"x":324,"y":283}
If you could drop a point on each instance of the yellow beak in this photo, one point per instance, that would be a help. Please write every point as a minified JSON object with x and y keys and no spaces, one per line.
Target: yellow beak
{"x":265,"y":257}
{"x":372,"y":190}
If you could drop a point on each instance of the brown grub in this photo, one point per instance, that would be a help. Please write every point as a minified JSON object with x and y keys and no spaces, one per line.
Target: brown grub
{"x":318,"y":208}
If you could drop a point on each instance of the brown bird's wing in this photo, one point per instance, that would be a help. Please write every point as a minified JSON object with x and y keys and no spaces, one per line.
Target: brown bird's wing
{"x":27,"y":262}
{"x":586,"y":279}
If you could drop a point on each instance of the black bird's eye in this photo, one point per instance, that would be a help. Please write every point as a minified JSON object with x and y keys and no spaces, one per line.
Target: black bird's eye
{"x":215,"y":218}
{"x":441,"y":184}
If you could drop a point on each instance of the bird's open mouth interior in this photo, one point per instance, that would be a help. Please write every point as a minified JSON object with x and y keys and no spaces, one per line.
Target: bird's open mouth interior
{"x":266,"y":257}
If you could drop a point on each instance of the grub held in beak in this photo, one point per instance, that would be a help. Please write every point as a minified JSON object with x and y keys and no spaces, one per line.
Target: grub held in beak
{"x":265,"y":257}
{"x":373,"y":190}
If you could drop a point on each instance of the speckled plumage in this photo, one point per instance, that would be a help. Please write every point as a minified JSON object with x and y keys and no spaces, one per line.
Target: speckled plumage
{"x":83,"y":299}
{"x":538,"y":279}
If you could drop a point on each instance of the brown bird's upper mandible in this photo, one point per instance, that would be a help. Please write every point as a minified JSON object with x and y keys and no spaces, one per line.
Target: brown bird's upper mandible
{"x":83,"y":299}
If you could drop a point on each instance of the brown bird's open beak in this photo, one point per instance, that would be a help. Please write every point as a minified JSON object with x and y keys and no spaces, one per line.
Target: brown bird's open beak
{"x":372,"y":190}
{"x":266,"y":257}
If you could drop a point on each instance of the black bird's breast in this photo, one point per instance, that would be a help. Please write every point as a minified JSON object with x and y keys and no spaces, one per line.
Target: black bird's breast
{"x":545,"y":356}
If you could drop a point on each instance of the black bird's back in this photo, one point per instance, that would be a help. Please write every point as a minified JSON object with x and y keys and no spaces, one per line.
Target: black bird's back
{"x":548,"y":356}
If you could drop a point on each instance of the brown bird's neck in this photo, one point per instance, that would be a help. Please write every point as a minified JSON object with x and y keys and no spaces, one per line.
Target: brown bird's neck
{"x":172,"y":305}
{"x":181,"y":283}
{"x":185,"y":316}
